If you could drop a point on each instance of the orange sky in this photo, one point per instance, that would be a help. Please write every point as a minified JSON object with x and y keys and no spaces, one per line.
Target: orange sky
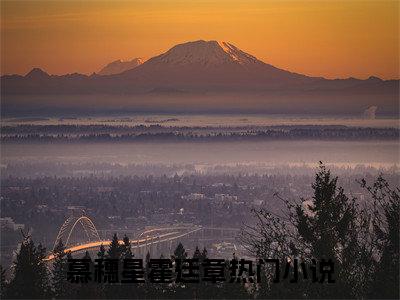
{"x":334,"y":39}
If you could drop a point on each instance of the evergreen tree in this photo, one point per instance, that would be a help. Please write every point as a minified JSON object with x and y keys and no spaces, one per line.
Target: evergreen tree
{"x":3,"y":282}
{"x":126,"y":248}
{"x":60,"y":267}
{"x":31,"y":278}
{"x":87,"y":256}
{"x":146,"y":262}
{"x":115,"y":249}
{"x":328,"y":229}
{"x":102,"y":252}
{"x":204,"y":254}
{"x":91,"y":289}
{"x":180,"y":252}
{"x":386,"y":224}
{"x":197,"y":253}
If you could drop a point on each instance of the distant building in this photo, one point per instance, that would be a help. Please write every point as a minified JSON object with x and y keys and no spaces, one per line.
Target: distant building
{"x":225,"y":198}
{"x":370,"y":112}
{"x":258,"y":202}
{"x":194,"y":196}
{"x":8,"y":223}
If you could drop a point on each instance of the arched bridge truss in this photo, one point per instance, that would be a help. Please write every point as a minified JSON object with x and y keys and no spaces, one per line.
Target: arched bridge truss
{"x":69,"y":226}
{"x":145,"y":239}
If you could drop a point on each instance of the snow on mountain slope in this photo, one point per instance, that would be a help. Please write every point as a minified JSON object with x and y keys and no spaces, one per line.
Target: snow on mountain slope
{"x":206,"y":53}
{"x":208,"y":63}
{"x":120,"y":66}
{"x":202,"y":68}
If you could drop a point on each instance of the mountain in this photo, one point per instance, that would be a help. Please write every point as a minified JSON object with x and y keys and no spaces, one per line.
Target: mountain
{"x":200,"y":75}
{"x":209,"y":65}
{"x":120,"y":66}
{"x":37,"y":73}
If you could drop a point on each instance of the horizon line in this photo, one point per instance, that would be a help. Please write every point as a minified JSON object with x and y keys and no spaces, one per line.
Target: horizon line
{"x":94,"y":73}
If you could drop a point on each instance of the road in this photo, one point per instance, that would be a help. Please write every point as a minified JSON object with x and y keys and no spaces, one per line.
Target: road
{"x":138,"y":243}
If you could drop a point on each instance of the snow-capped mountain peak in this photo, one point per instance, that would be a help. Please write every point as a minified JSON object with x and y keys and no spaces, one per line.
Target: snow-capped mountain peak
{"x":120,"y":66}
{"x":205,"y":53}
{"x":207,"y":63}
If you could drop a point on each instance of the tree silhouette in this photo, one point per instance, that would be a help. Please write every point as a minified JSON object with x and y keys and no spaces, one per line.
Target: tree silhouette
{"x":147,"y":259}
{"x":126,"y":248}
{"x":88,"y":290}
{"x":60,"y":267}
{"x":362,"y":242}
{"x":386,"y":210}
{"x":204,"y":254}
{"x":102,"y":252}
{"x":3,"y":282}
{"x":180,"y":252}
{"x":328,"y":226}
{"x":31,"y":277}
{"x":115,"y":249}
{"x":197,"y":253}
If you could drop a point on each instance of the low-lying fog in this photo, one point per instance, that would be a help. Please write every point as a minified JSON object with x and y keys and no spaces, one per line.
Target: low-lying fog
{"x":341,"y":153}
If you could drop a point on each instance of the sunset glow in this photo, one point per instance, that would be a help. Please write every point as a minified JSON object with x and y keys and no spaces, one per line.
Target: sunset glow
{"x":333,"y":39}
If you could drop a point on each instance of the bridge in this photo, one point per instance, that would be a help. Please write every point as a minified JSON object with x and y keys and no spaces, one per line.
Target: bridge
{"x":146,"y":240}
